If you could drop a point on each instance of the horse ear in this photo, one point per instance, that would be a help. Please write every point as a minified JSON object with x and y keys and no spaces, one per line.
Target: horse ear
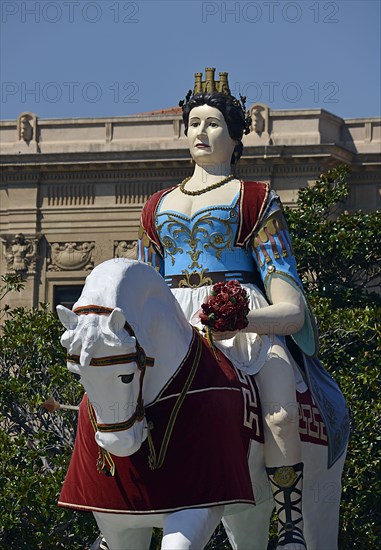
{"x":68,"y":318}
{"x":116,"y":320}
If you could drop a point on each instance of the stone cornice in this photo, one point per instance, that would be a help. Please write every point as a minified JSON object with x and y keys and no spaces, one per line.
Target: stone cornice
{"x":308,"y":113}
{"x":162,"y":159}
{"x":150,"y":136}
{"x":152,"y":118}
{"x":97,"y":121}
{"x":99,"y":157}
{"x":167,"y":177}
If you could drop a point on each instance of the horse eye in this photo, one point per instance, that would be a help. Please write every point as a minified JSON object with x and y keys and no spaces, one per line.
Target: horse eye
{"x":126,"y":378}
{"x":76,"y":376}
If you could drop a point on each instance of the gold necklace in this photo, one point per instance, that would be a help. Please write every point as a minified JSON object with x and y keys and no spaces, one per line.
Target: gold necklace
{"x":201,"y":191}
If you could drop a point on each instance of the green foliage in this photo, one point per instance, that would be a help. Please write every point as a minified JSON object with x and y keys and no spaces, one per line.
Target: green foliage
{"x":351,"y":349}
{"x":35,"y":446}
{"x":10,"y":282}
{"x":338,"y":253}
{"x":339,"y":262}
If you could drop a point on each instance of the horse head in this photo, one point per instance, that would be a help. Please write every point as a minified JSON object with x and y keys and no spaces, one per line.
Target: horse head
{"x":110,"y":360}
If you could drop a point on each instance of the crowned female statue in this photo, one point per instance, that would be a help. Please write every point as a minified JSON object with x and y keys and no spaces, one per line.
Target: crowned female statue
{"x":215,"y":227}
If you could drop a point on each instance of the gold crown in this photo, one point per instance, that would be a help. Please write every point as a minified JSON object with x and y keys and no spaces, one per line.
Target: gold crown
{"x":210,"y":84}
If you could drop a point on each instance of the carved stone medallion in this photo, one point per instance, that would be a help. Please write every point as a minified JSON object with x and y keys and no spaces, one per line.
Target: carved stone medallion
{"x":125,"y":249}
{"x":71,"y":256}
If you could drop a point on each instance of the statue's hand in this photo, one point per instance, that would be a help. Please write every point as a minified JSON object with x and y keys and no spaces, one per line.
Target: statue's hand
{"x":226,"y":335}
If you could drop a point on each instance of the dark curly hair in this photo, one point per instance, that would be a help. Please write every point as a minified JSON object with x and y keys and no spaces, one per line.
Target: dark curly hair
{"x":233,"y":113}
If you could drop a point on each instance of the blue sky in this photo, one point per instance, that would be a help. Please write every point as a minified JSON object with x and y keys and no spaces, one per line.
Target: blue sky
{"x":101,"y":58}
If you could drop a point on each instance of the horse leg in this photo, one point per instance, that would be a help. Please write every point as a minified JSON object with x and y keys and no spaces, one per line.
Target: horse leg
{"x":190,"y":529}
{"x":119,"y":536}
{"x":250,"y":529}
{"x":321,"y":498}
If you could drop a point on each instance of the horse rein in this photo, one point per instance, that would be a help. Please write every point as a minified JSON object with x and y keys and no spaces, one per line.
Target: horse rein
{"x":139,"y":357}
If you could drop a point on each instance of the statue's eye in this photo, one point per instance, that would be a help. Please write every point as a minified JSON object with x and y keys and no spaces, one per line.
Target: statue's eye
{"x":76,"y":376}
{"x":126,"y":378}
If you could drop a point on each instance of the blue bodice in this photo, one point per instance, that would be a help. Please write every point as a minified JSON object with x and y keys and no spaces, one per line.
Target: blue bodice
{"x":202,"y":243}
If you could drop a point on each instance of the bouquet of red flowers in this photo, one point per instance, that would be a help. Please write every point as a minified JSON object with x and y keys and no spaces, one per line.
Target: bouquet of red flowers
{"x":226,"y":308}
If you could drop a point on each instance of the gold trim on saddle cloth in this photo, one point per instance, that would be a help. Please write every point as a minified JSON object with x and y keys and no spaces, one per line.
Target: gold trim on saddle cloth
{"x":156,"y":462}
{"x":104,"y":460}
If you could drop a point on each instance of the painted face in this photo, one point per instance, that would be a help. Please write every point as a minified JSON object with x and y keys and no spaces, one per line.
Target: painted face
{"x":208,"y":136}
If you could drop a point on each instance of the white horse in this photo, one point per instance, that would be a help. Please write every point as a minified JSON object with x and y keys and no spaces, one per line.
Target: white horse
{"x":129,"y":342}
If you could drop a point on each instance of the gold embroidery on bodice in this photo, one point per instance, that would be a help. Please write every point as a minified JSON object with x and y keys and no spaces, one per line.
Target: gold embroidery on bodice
{"x":208,"y":233}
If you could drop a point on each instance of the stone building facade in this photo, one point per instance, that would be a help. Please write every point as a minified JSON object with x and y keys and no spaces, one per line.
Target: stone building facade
{"x":72,"y":189}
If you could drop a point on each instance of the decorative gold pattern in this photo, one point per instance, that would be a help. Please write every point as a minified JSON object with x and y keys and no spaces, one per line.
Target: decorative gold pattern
{"x":275,"y":233}
{"x":146,"y":250}
{"x":285,"y":476}
{"x":218,"y":241}
{"x":198,"y":277}
{"x":143,"y":237}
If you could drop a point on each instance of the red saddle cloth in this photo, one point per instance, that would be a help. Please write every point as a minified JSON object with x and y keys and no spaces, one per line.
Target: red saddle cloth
{"x":206,"y":460}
